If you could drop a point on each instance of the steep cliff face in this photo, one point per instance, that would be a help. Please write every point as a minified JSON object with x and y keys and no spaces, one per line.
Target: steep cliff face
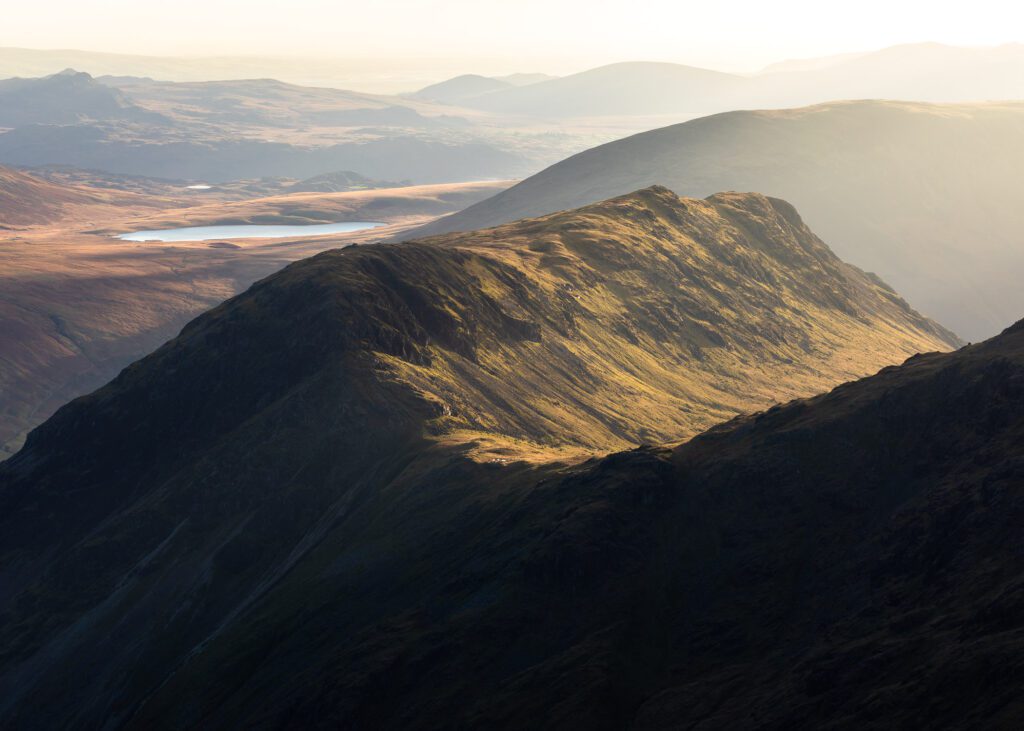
{"x":288,"y":513}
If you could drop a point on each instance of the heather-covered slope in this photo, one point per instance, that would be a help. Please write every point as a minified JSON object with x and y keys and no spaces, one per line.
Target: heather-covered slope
{"x":327,"y":451}
{"x":926,"y":196}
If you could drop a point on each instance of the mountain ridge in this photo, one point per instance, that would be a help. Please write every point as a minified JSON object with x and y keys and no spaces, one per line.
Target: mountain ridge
{"x":251,"y":526}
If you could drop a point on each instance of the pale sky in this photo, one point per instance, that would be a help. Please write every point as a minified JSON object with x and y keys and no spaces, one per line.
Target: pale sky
{"x":556,"y":36}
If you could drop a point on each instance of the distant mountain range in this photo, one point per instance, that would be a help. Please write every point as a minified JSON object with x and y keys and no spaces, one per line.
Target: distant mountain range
{"x":469,"y":127}
{"x":924,"y":195}
{"x":223,"y":131}
{"x":376,"y":75}
{"x":66,"y":98}
{"x":345,"y":497}
{"x":919,"y":72}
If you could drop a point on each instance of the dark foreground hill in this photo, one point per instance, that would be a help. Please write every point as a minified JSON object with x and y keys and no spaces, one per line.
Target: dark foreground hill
{"x":345,"y":497}
{"x":926,"y":196}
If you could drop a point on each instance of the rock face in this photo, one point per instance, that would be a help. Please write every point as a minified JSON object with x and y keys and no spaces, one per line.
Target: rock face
{"x":924,"y":195}
{"x":344,"y":498}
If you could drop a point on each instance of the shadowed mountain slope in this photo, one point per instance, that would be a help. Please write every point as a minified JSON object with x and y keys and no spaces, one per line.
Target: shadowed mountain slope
{"x":924,"y":195}
{"x":852,"y":561}
{"x":283,"y":459}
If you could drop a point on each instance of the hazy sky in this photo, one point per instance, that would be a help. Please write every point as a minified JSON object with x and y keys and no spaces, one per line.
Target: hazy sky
{"x":546,"y":35}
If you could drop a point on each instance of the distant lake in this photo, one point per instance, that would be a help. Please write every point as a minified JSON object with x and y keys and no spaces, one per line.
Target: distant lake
{"x":205,"y":233}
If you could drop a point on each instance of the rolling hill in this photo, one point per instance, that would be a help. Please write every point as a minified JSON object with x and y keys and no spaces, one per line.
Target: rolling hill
{"x":26,"y":200}
{"x":924,"y":195}
{"x":460,"y":88}
{"x":929,"y":72}
{"x":633,"y":88}
{"x":337,"y":499}
{"x":914,"y":72}
{"x":221,"y":131}
{"x":274,"y":104}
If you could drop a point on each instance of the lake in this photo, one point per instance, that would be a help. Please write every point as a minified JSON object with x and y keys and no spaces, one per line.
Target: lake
{"x":206,"y":233}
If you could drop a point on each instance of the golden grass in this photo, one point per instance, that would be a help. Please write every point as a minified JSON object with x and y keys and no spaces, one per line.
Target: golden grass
{"x":685,"y":313}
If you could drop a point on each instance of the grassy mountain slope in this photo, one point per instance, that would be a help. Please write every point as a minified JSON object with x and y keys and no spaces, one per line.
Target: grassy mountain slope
{"x":280,"y":519}
{"x":27,"y":200}
{"x":924,"y":195}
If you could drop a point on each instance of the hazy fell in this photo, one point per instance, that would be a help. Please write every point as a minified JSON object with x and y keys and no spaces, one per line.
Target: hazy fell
{"x":461,"y":88}
{"x":916,"y":72}
{"x":222,"y":131}
{"x":924,"y":195}
{"x":68,"y":97}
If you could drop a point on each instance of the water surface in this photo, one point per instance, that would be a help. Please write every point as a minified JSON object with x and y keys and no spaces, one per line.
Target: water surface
{"x":206,"y":233}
